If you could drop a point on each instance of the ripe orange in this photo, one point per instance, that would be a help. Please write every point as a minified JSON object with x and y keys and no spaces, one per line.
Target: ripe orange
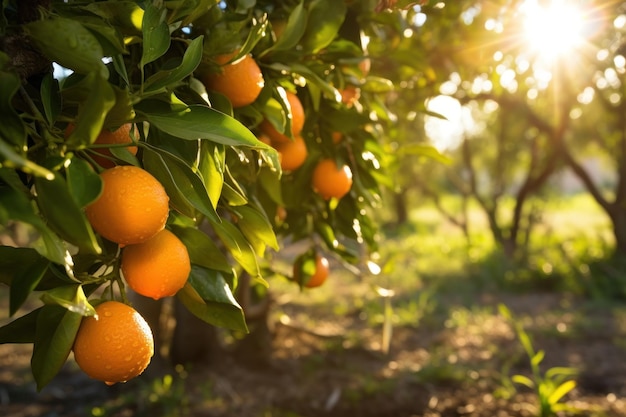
{"x":132,"y":208}
{"x":107,"y":137}
{"x":240,"y":81}
{"x":116,"y":346}
{"x":365,"y":65}
{"x":297,"y":121}
{"x":350,"y":95}
{"x":281,"y":214}
{"x":320,"y":274}
{"x":158,"y":267}
{"x":292,"y":154}
{"x":331,"y":181}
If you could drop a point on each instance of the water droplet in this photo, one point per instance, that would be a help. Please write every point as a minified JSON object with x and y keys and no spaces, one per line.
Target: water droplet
{"x":108,"y":367}
{"x":107,"y":314}
{"x":107,"y":339}
{"x":128,"y":358}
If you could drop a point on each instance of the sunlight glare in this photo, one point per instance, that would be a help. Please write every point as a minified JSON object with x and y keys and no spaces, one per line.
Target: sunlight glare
{"x":554,"y":29}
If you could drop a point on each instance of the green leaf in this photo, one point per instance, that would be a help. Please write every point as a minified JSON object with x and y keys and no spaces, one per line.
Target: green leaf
{"x":526,"y":342}
{"x":208,"y":296}
{"x":15,"y":205}
{"x":202,"y":249}
{"x":50,"y":98}
{"x":561,"y":391}
{"x":14,"y":260}
{"x":122,"y":111}
{"x":12,"y":129}
{"x":54,"y":337}
{"x":256,"y":227}
{"x":70,"y":297}
{"x":64,"y":215}
{"x":183,"y":185}
{"x":69,"y":43}
{"x":109,"y":38}
{"x":192,"y":10}
{"x":324,"y":20}
{"x":427,"y":151}
{"x":257,"y":32}
{"x":125,"y":15}
{"x":233,"y":195}
{"x":156,"y":33}
{"x":84,"y":184}
{"x":238,"y":246}
{"x":327,"y":89}
{"x":20,"y":330}
{"x":523,"y":380}
{"x":377,"y":85}
{"x":96,"y":97}
{"x":11,"y":159}
{"x":211,"y":168}
{"x":120,"y":68}
{"x":556,"y":371}
{"x":293,"y":31}
{"x":268,"y":180}
{"x":537,"y":358}
{"x":232,"y":191}
{"x":199,"y":122}
{"x":25,"y":282}
{"x":191,"y":60}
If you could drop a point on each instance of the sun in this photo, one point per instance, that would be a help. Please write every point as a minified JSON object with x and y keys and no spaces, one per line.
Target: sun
{"x":554,"y":28}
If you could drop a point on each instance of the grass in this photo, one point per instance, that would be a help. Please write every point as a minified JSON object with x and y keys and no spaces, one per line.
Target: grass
{"x":436,"y":280}
{"x":567,"y":252}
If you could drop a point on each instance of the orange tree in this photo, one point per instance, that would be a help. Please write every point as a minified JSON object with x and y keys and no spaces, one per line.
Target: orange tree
{"x":71,"y":72}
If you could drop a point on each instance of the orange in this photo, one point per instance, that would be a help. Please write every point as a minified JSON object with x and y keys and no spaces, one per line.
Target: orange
{"x":337,"y":137}
{"x":132,"y":208}
{"x":350,"y":95}
{"x":331,"y":181}
{"x":158,"y":267}
{"x":107,"y":137}
{"x":281,"y":214}
{"x":365,"y":65}
{"x":318,"y":277}
{"x":321,"y":272}
{"x":240,"y":81}
{"x":114,"y":346}
{"x":297,"y":121}
{"x":292,"y":154}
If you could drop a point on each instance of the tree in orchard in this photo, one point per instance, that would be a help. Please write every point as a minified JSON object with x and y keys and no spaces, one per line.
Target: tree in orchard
{"x":147,"y":157}
{"x":530,"y":64}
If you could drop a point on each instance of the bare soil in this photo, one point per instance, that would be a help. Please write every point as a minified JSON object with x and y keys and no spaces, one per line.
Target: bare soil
{"x":455,"y":362}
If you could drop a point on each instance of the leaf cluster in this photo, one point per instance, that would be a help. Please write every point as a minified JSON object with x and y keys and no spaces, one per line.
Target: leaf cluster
{"x":119,"y":62}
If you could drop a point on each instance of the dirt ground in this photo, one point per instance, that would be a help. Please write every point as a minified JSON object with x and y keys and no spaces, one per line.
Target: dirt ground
{"x":454,"y":363}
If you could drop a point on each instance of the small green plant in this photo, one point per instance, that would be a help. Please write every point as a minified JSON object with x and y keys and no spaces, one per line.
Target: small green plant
{"x":164,"y":396}
{"x":550,"y":386}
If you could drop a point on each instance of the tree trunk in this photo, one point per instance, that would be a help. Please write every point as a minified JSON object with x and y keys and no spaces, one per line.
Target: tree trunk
{"x":254,"y":350}
{"x":192,"y":340}
{"x":618,"y":218}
